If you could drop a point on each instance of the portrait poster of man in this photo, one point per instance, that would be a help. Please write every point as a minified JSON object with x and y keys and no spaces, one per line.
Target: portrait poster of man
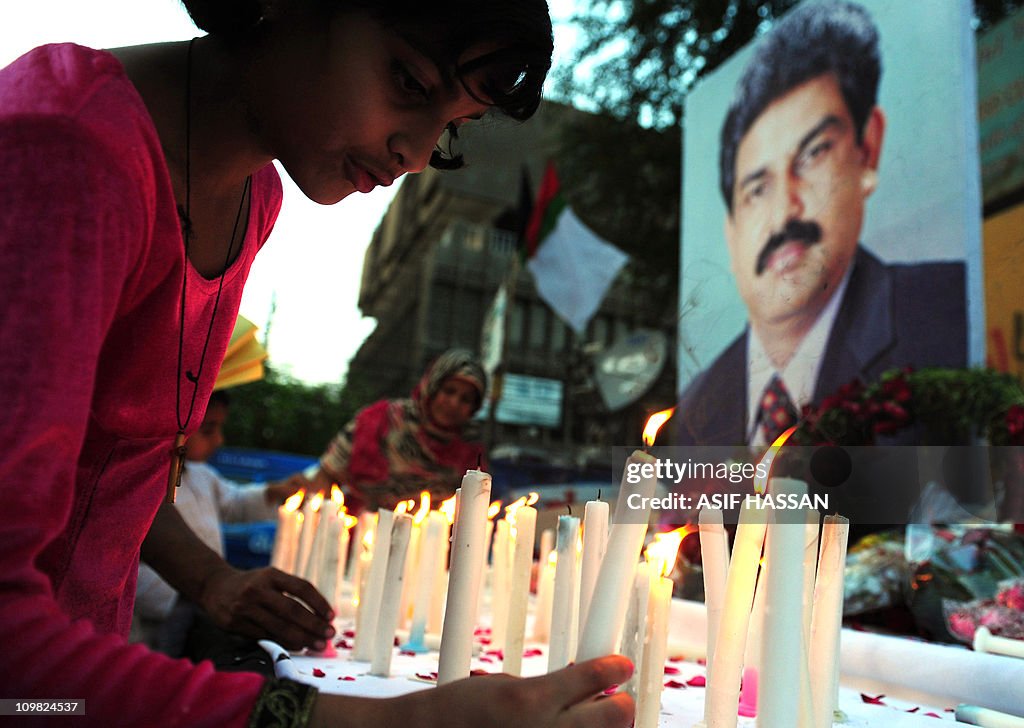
{"x":831,"y":213}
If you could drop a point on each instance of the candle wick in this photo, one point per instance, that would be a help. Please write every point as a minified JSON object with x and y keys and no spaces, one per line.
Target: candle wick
{"x":599,"y":494}
{"x":569,"y":507}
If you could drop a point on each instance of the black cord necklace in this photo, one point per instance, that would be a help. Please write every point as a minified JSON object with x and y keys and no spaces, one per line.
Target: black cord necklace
{"x":178,"y":451}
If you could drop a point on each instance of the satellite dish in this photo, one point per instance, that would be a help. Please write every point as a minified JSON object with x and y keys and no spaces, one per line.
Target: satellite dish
{"x":629,"y":367}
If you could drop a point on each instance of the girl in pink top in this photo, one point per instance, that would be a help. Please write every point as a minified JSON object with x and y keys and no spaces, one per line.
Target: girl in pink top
{"x":135,"y":190}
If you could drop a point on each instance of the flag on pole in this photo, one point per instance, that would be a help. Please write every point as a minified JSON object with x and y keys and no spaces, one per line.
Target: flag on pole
{"x":572,"y":267}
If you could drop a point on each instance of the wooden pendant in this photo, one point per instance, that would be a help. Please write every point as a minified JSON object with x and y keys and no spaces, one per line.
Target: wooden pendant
{"x":177,"y":464}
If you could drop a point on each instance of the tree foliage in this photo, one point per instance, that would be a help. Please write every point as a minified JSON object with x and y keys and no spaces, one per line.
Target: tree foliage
{"x":282,"y":413}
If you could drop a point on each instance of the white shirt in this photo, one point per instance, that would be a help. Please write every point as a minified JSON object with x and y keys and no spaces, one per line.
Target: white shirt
{"x":801,"y":371}
{"x":204,"y":499}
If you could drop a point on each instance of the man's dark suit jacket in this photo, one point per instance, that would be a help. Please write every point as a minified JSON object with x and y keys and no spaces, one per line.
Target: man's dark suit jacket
{"x":891,"y":316}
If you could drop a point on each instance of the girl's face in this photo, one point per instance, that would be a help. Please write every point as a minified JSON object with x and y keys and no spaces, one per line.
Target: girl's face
{"x":351,"y":105}
{"x":204,"y":442}
{"x":453,"y":404}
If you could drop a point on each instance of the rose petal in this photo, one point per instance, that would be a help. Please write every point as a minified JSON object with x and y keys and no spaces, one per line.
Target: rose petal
{"x":343,"y":644}
{"x":317,"y":672}
{"x":350,"y":633}
{"x":408,"y":653}
{"x":697,"y":681}
{"x":432,"y":676}
{"x":346,"y":678}
{"x":875,"y":700}
{"x":533,"y":652}
{"x":676,"y":658}
{"x":675,"y":684}
{"x":669,"y":670}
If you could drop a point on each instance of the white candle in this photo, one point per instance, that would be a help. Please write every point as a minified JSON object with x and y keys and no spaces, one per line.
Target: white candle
{"x":341,"y":561}
{"x":595,"y":541}
{"x":323,"y":555}
{"x":545,"y":587}
{"x":289,"y":523}
{"x":563,"y":599}
{"x":412,"y":558}
{"x":778,"y":702}
{"x":634,"y":632}
{"x":310,"y":521}
{"x":373,"y":592}
{"x":547,"y":545}
{"x":439,"y":591}
{"x":986,"y":717}
{"x":364,"y":524}
{"x":391,"y":600}
{"x":714,"y":558}
{"x":426,"y":580}
{"x":827,"y":618}
{"x":652,"y":666}
{"x":499,"y":583}
{"x":723,"y":683}
{"x":985,"y":641}
{"x":519,"y":589}
{"x":364,"y":545}
{"x":464,"y":578}
{"x":607,"y":611}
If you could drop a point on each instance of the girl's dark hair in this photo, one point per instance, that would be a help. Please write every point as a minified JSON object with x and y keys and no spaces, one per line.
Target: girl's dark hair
{"x":511,"y":77}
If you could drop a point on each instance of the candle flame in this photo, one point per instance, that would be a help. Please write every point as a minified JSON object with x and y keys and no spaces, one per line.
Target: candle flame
{"x":493,"y":510}
{"x":337,"y":497}
{"x":402,"y":508}
{"x":293,"y":501}
{"x":654,"y":423}
{"x":447,"y":507}
{"x":316,"y":501}
{"x":424,"y":508}
{"x":511,"y":508}
{"x":662,"y":551}
{"x":368,"y":539}
{"x":348,"y":521}
{"x":533,"y":498}
{"x":553,"y":557}
{"x":761,"y":484}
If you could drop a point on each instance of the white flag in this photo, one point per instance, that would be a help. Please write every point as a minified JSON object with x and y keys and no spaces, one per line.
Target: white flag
{"x":573,"y":269}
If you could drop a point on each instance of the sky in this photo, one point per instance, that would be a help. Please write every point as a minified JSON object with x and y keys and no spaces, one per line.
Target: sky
{"x":310,"y":269}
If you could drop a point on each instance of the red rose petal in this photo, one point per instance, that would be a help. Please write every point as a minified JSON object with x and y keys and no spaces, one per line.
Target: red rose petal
{"x":346,"y":677}
{"x":932,"y":715}
{"x":669,"y":670}
{"x":350,"y":633}
{"x":432,"y":676}
{"x":343,"y":644}
{"x":697,"y":681}
{"x":408,"y":653}
{"x":485,"y":658}
{"x":914,"y":709}
{"x":676,"y":658}
{"x":317,"y":672}
{"x":674,"y":684}
{"x":876,"y":700}
{"x":533,"y":652}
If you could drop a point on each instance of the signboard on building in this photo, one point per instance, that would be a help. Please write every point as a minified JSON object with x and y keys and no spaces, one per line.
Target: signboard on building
{"x":527,"y":401}
{"x":1001,"y":108}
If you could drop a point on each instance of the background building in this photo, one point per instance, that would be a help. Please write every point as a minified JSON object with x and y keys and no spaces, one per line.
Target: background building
{"x":430,"y":276}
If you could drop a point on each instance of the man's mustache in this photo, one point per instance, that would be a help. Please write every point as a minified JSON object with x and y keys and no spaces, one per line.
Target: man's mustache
{"x":805,"y":232}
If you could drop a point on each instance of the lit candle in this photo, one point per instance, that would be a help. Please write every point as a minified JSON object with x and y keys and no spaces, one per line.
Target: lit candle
{"x":525,"y":524}
{"x":545,"y":587}
{"x":325,"y":542}
{"x":563,"y":599}
{"x":440,"y":591}
{"x":782,"y":646}
{"x":310,"y":521}
{"x":341,"y":560}
{"x":391,"y":599}
{"x":464,"y":578}
{"x":289,"y":523}
{"x":724,"y":677}
{"x":652,"y":666}
{"x":367,"y":525}
{"x":610,"y":599}
{"x":486,"y":577}
{"x":364,"y":525}
{"x":595,"y":541}
{"x":370,"y":596}
{"x":499,"y":582}
{"x":714,"y":558}
{"x":426,"y":578}
{"x":827,"y":618}
{"x":412,"y":559}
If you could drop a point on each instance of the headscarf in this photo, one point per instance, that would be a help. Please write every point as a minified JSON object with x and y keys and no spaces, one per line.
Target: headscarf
{"x":391,"y":451}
